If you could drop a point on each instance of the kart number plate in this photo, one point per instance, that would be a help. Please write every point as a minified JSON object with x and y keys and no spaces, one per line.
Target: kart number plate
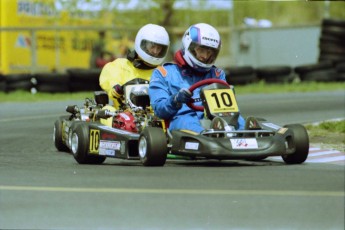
{"x":192,"y":146}
{"x":221,"y":101}
{"x":244,"y":143}
{"x":108,"y":147}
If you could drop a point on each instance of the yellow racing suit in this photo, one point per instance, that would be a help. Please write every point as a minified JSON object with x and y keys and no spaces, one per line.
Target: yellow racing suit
{"x":120,"y":71}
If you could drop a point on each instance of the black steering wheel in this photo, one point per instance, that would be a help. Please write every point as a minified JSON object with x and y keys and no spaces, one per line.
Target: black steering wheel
{"x":190,"y":104}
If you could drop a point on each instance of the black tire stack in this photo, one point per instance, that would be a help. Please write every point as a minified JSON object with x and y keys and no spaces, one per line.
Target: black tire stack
{"x":319,"y":72}
{"x":331,"y":56}
{"x":332,"y":40}
{"x":240,"y":75}
{"x":20,"y":81}
{"x":275,"y":74}
{"x":73,"y":80}
{"x":340,"y":67}
{"x":50,"y":82}
{"x":2,"y":83}
{"x":84,"y":79}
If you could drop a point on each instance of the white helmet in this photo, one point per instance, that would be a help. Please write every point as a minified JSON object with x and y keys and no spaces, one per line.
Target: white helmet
{"x":152,"y":35}
{"x":205,"y":36}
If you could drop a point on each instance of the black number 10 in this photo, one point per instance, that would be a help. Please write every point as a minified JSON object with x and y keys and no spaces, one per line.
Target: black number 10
{"x":225,"y":97}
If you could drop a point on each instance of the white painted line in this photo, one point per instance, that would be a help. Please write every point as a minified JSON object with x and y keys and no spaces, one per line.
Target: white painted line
{"x":326,"y":159}
{"x":324,"y":153}
{"x":314,"y":149}
{"x":216,"y":192}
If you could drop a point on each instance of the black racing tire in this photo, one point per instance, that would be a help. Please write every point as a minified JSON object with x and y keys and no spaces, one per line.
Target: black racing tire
{"x":239,"y":70}
{"x":57,"y":137}
{"x":18,"y":82}
{"x":340,"y":67}
{"x":51,"y":82}
{"x":49,"y":88}
{"x":275,"y":74}
{"x":241,"y":79}
{"x":329,"y":38}
{"x":303,"y":69}
{"x":333,"y":22}
{"x":2,"y":83}
{"x":84,"y":79}
{"x":331,"y":57}
{"x":152,"y":147}
{"x":329,"y":47}
{"x":80,"y":144}
{"x":299,"y":141}
{"x":341,"y":77}
{"x":273,"y":71}
{"x":326,"y":75}
{"x":337,"y":31}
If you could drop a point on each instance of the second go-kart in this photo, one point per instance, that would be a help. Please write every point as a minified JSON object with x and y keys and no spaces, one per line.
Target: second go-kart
{"x":147,"y":138}
{"x":96,"y":130}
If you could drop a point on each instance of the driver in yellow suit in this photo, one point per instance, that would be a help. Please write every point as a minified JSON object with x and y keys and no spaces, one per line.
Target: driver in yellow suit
{"x":151,"y":48}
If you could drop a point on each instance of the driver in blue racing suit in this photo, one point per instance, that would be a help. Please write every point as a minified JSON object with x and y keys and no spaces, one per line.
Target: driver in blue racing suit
{"x":168,"y":89}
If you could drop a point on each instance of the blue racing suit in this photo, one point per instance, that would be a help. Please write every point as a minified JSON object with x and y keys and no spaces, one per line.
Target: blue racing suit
{"x":165,"y":83}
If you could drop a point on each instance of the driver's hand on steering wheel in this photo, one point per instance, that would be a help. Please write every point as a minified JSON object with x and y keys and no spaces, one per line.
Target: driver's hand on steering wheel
{"x":183,"y":96}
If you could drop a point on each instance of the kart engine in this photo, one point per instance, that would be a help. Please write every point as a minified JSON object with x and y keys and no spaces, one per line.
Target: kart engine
{"x":125,"y":121}
{"x":136,"y":112}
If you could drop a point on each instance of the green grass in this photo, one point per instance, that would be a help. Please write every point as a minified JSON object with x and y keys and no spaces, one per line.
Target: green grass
{"x":329,"y":126}
{"x":261,"y":87}
{"x":331,"y":133}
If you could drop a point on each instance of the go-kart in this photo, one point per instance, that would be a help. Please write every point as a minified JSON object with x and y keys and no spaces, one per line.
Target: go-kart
{"x":148,"y":138}
{"x":96,"y":130}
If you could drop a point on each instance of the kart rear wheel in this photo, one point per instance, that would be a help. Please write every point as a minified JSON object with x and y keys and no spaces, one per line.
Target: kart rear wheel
{"x":300,"y":141}
{"x":80,"y":144}
{"x":57,"y":136}
{"x":153,"y":147}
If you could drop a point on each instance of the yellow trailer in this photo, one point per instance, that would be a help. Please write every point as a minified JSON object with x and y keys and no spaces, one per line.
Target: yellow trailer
{"x":35,"y":36}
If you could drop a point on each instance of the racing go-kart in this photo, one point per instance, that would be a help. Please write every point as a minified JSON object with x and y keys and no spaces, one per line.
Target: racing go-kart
{"x":98,"y":131}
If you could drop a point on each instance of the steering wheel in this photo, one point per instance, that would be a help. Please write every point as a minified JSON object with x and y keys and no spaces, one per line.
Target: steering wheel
{"x":199,"y":84}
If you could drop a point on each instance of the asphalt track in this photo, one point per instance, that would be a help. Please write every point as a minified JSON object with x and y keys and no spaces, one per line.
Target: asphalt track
{"x":41,"y":188}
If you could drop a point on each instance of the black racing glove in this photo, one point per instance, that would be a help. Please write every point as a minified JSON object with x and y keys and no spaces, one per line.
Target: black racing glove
{"x":183,"y":96}
{"x":117,"y":91}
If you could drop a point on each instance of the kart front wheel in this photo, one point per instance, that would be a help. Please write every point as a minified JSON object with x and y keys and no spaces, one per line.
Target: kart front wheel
{"x":300,"y":142}
{"x":57,"y":136}
{"x":79,"y":146}
{"x":153,"y":147}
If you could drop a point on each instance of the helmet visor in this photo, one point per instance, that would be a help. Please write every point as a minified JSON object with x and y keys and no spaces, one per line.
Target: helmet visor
{"x":204,"y":54}
{"x":154,"y":49}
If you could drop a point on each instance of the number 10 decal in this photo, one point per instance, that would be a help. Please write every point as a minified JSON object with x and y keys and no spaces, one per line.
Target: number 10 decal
{"x":225,"y":99}
{"x":221,"y":101}
{"x":94,"y":140}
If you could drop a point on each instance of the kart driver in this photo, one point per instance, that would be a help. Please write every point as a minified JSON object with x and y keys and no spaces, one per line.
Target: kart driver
{"x":151,"y":47}
{"x":168,"y":89}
